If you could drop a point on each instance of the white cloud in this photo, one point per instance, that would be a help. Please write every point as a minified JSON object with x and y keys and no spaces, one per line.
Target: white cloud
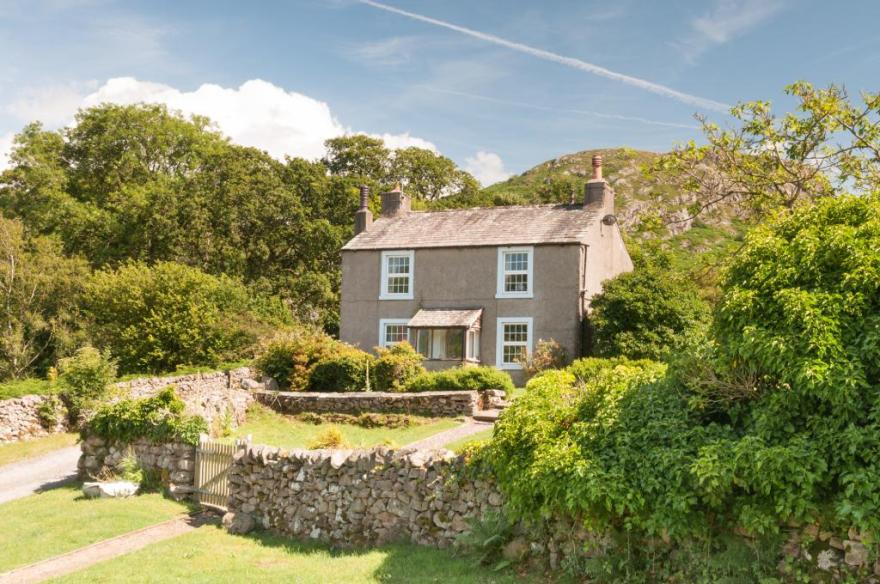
{"x":5,"y":149}
{"x":726,"y":20}
{"x":257,"y":113}
{"x":487,"y":167}
{"x":390,"y":51}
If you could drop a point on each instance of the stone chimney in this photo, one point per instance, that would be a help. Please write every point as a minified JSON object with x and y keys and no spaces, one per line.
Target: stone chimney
{"x":395,"y":203}
{"x":363,"y":218}
{"x":597,"y":192}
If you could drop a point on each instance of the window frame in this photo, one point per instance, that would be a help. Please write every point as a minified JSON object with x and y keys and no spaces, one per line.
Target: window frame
{"x":384,"y":294}
{"x":384,"y":322}
{"x":500,"y":292}
{"x":499,"y":339}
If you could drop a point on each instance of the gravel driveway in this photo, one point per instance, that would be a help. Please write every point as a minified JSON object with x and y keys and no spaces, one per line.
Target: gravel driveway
{"x":27,"y":477}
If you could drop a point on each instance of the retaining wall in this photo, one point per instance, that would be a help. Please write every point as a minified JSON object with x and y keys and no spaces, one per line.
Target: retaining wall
{"x":429,"y":403}
{"x":20,"y":419}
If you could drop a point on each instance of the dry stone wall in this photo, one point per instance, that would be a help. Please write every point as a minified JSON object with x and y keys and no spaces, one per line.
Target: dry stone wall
{"x":174,"y":462}
{"x":20,"y":419}
{"x":214,"y":396}
{"x":429,"y":403}
{"x":358,"y":497}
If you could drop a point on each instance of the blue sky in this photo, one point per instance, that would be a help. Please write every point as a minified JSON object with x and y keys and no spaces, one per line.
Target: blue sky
{"x":519,"y":86}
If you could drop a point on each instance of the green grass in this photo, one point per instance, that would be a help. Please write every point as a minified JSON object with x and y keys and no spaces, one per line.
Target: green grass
{"x":20,"y":387}
{"x":269,"y":427}
{"x":15,"y":451}
{"x":459,"y":445}
{"x":212,"y":555}
{"x":60,"y":520}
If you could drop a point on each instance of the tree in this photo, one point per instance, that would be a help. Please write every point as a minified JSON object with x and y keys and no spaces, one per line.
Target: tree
{"x":39,"y":294}
{"x":643,"y":314}
{"x":429,"y":176}
{"x":357,"y":155}
{"x":768,"y":162}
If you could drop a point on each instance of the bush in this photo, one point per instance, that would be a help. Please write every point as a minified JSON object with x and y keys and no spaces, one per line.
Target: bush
{"x":156,"y":318}
{"x":644,"y":313}
{"x":290,"y":356}
{"x":462,"y":379}
{"x":347,"y":371}
{"x":396,"y":366}
{"x":158,"y":419}
{"x":547,"y":355}
{"x":84,"y":380}
{"x":332,"y":437}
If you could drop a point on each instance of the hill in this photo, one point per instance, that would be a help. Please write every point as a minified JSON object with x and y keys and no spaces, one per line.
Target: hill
{"x":640,"y":200}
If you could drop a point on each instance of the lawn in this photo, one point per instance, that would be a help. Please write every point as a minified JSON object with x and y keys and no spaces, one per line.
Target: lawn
{"x":269,"y":427}
{"x":212,"y":555}
{"x":60,"y":520}
{"x":15,"y":451}
{"x":20,"y":387}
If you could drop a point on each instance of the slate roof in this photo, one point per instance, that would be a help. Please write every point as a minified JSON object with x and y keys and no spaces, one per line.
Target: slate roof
{"x":432,"y":318}
{"x":521,"y":225}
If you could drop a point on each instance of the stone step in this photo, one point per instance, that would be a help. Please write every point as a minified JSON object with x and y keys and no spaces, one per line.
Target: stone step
{"x":487,"y":415}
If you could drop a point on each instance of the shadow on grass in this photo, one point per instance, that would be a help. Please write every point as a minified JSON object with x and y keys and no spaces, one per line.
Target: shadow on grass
{"x":404,"y":562}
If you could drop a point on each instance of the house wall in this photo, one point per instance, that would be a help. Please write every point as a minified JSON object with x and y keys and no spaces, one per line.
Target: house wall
{"x":467,"y":278}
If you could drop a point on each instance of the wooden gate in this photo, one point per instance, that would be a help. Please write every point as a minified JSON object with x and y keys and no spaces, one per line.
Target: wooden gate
{"x":213,"y":461}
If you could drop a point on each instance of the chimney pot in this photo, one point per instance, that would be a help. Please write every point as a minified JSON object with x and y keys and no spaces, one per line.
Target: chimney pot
{"x":363,"y":218}
{"x":597,"y":167}
{"x":365,"y":196}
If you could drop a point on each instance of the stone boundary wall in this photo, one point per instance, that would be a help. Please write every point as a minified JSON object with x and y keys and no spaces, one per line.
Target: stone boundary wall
{"x":174,"y":461}
{"x":357,"y":497}
{"x":212,"y":395}
{"x":20,"y":419}
{"x":428,"y":403}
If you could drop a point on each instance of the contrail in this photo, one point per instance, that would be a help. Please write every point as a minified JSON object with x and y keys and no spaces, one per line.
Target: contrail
{"x":561,"y":110}
{"x":562,"y":59}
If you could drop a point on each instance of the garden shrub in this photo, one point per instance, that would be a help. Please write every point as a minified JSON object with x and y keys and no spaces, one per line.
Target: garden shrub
{"x":289,"y":356}
{"x":396,"y":366}
{"x":84,"y":379}
{"x":462,"y":379}
{"x":548,"y":354}
{"x":51,"y":411}
{"x":156,"y":318}
{"x":159,"y":419}
{"x":346,"y":371}
{"x":332,"y":437}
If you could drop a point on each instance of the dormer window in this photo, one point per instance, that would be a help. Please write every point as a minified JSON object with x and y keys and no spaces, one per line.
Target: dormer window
{"x":397,"y":275}
{"x":515,"y":279}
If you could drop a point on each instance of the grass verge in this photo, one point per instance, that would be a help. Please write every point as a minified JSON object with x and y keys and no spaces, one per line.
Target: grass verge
{"x":16,"y":451}
{"x":269,"y":427}
{"x":61,"y":520}
{"x":459,"y":445}
{"x":212,"y":555}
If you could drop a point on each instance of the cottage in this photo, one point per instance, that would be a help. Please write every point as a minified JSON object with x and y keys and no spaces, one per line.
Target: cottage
{"x":478,"y":285}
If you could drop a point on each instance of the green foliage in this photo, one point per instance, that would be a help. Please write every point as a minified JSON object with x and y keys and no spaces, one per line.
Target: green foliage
{"x":462,"y":379}
{"x":84,"y":380}
{"x":646,"y":312}
{"x":156,"y":318}
{"x":129,"y":469}
{"x":396,"y":366}
{"x":348,"y":370}
{"x":51,"y":411}
{"x":548,"y":354}
{"x":159,"y":419}
{"x":486,"y":537}
{"x":41,"y":289}
{"x":290,"y":356}
{"x":29,"y":386}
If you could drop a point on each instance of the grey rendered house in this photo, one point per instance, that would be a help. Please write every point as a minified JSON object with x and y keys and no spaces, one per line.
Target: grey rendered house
{"x":479,"y":285}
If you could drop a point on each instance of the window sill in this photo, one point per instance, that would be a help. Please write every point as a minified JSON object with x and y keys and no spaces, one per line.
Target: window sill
{"x":395,"y":297}
{"x":509,"y":367}
{"x":514,"y":295}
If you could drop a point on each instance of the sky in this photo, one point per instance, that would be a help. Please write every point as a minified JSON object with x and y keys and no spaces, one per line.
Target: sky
{"x":497,"y":85}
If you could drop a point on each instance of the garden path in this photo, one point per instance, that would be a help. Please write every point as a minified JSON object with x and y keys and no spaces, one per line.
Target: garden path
{"x":27,"y":477}
{"x":441,"y":439}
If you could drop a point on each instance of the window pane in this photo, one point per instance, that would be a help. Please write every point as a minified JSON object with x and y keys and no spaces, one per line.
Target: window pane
{"x":512,"y":353}
{"x":454,"y":343}
{"x":438,"y":344}
{"x":395,"y":333}
{"x":516,"y":333}
{"x":423,"y":343}
{"x":398,"y":265}
{"x":398,"y":285}
{"x":516,"y":261}
{"x":516,"y":283}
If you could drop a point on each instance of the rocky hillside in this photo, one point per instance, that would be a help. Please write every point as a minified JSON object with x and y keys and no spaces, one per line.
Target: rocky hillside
{"x":638,"y":197}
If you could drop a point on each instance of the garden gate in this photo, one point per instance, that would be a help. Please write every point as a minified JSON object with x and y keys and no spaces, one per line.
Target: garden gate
{"x":213,"y":461}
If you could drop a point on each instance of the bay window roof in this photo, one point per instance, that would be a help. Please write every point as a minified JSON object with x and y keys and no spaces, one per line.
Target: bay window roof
{"x":446,"y":318}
